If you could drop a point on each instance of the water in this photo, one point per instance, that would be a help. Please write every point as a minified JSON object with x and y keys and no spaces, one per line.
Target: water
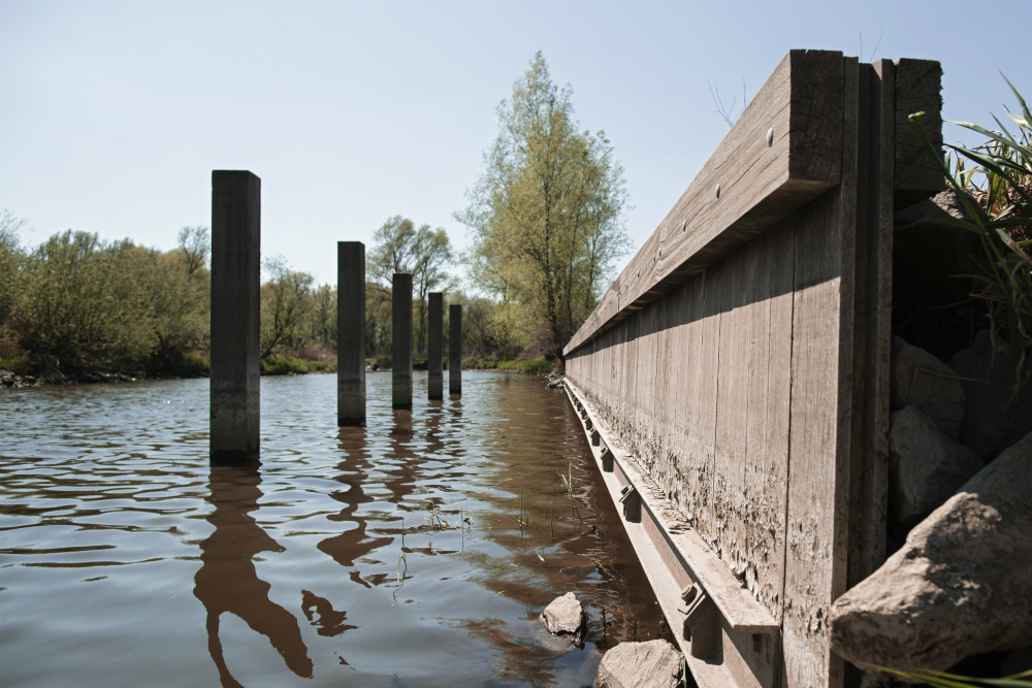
{"x":416,"y":552}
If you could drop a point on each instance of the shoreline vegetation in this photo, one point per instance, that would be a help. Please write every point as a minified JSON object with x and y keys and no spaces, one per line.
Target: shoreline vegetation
{"x":14,"y":374}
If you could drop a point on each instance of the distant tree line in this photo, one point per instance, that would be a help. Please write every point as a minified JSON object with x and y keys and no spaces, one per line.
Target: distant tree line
{"x":77,"y":305}
{"x":546,"y":216}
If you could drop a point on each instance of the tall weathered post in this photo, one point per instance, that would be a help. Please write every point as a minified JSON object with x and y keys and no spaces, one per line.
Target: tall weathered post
{"x":235,"y":280}
{"x":435,"y":346}
{"x":351,"y":387}
{"x":455,"y":349}
{"x":401,"y":340}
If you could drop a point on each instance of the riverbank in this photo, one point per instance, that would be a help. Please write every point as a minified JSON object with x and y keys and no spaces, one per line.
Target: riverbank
{"x":273,"y":366}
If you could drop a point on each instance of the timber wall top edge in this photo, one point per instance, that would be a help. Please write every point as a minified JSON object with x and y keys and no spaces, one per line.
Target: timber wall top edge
{"x":783,"y":152}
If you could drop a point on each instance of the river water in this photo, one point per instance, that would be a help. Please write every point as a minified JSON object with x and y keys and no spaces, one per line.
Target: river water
{"x":418,"y":551}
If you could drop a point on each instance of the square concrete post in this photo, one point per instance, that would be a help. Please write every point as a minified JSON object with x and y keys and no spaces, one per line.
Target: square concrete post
{"x":435,"y":346}
{"x":235,"y":284}
{"x":401,"y":340}
{"x":455,"y":349}
{"x":351,"y":388}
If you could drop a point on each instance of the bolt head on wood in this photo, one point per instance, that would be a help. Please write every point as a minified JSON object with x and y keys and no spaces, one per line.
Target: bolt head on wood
{"x":717,"y":191}
{"x":770,"y":136}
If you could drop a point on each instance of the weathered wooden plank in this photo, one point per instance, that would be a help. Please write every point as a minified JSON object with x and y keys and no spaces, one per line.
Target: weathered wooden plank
{"x":873,"y":320}
{"x":781,"y":153}
{"x":739,"y":609}
{"x":821,"y":416}
{"x":729,"y":501}
{"x":704,"y":430}
{"x":917,"y":170}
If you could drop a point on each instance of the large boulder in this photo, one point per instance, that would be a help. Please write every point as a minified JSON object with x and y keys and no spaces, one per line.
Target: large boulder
{"x":927,"y":466}
{"x":922,"y":380}
{"x":652,"y":664}
{"x":564,"y":614}
{"x":959,"y":586}
{"x":996,"y":417}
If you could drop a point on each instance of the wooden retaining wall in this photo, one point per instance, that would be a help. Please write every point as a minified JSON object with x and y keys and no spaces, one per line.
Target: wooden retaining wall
{"x":740,"y":363}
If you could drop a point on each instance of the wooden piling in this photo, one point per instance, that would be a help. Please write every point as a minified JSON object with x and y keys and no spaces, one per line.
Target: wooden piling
{"x":351,"y":383}
{"x":435,"y":346}
{"x":455,"y":350}
{"x":235,"y":325}
{"x":401,"y":340}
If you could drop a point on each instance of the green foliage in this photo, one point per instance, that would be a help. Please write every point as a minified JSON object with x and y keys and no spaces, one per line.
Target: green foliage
{"x":82,"y":306}
{"x":488,"y":327}
{"x":425,"y":252}
{"x":546,"y":212}
{"x":19,"y":364}
{"x":529,"y":366}
{"x":995,"y":193}
{"x":479,"y":363}
{"x":282,"y":364}
{"x":11,"y":259}
{"x":287,"y":301}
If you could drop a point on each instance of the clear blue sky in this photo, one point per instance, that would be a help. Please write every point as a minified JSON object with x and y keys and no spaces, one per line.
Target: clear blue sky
{"x":112,"y":115}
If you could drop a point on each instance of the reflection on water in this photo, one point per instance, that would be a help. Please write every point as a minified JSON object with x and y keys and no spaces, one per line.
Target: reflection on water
{"x":227,"y":580}
{"x":418,"y":551}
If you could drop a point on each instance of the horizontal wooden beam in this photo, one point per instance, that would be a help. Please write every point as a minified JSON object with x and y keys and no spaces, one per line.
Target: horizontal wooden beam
{"x":684,"y":555}
{"x":783,"y":151}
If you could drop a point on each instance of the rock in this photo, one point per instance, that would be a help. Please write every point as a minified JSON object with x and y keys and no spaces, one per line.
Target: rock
{"x":926,"y":466}
{"x":652,"y":664}
{"x":959,"y":586}
{"x":995,"y":417}
{"x":564,"y":615}
{"x":922,"y":380}
{"x":13,"y":380}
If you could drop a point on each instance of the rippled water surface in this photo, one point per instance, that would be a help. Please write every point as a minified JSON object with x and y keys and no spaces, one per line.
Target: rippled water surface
{"x":418,"y":551}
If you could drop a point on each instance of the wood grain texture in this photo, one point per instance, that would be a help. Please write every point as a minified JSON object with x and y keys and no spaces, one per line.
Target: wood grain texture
{"x":917,"y":170}
{"x":873,"y":321}
{"x":752,"y":388}
{"x":759,"y":182}
{"x":741,"y":612}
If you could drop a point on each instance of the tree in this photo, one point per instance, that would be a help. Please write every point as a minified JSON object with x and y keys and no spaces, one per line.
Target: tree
{"x":84,"y":304}
{"x":424,"y":252}
{"x":323,"y":327}
{"x":393,"y":243}
{"x":10,"y":263}
{"x":285,"y":302}
{"x":546,"y":210}
{"x":195,"y":243}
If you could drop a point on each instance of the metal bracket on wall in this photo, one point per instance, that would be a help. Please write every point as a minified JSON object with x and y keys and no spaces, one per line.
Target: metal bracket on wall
{"x":631,"y":501}
{"x":714,"y":603}
{"x":701,"y":624}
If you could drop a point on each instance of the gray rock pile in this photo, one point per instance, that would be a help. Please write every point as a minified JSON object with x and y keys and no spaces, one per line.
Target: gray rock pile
{"x":927,"y":466}
{"x":922,"y":380}
{"x":959,"y":586}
